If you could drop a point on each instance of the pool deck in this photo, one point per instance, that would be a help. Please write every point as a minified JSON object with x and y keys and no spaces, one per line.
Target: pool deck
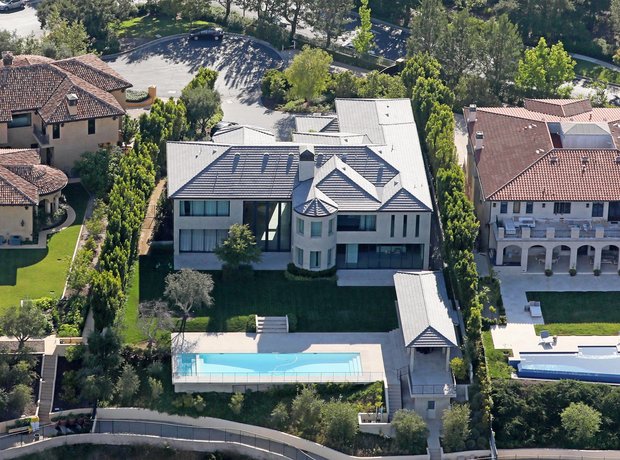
{"x":377,"y":352}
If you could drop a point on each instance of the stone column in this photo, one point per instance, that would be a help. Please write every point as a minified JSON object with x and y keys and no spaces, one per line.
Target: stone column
{"x":499,"y":254}
{"x":548,"y":259}
{"x":598,"y":252}
{"x":524,"y":254}
{"x":48,"y":206}
{"x":573,"y":258}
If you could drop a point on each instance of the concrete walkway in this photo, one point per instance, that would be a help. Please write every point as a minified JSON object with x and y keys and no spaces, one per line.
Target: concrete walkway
{"x":146,"y":233}
{"x":42,"y":242}
{"x":596,"y":61}
{"x":366,"y":277}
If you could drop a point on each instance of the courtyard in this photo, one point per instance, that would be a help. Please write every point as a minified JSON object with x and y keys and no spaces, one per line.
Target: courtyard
{"x":34,"y":273}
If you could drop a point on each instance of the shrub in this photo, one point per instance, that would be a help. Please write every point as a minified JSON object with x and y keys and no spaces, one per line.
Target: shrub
{"x":279,"y":415}
{"x":548,"y":272}
{"x":581,"y":422}
{"x":68,"y":330}
{"x":306,"y":412}
{"x":456,"y":427}
{"x":236,"y":403}
{"x":134,"y":95}
{"x":155,"y":369}
{"x":199,"y":403}
{"x":270,"y":32}
{"x":597,"y":272}
{"x":127,"y":384}
{"x":339,"y":423}
{"x":410,"y":429}
{"x":459,"y":368}
{"x":156,"y":388}
{"x":275,"y":86}
{"x":309,"y":274}
{"x":572,"y":272}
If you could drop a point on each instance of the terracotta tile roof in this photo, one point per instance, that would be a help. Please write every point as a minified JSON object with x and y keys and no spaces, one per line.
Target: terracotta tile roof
{"x":515,"y":138}
{"x":559,"y":107}
{"x":23,"y":180}
{"x":567,"y":175}
{"x":44,"y":87}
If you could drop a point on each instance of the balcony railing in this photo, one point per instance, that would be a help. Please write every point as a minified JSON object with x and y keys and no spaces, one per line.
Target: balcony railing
{"x":446,"y":390}
{"x":553,"y":230}
{"x":280,"y":377}
{"x":43,"y":139}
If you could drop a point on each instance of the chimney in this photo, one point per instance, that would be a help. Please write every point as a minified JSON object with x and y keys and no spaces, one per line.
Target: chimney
{"x":306,"y":163}
{"x":7,"y":58}
{"x":479,"y":140}
{"x":72,"y":101}
{"x":471,"y":115}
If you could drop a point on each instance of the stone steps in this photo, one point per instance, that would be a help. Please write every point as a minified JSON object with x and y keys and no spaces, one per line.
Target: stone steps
{"x":271,"y":324}
{"x":394,"y":397}
{"x":48,"y":376}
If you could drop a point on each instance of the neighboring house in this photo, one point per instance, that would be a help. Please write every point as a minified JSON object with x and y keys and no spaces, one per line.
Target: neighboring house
{"x":64,"y":107}
{"x":429,"y":334}
{"x":318,"y":205}
{"x":545,"y":181}
{"x":27,"y":188}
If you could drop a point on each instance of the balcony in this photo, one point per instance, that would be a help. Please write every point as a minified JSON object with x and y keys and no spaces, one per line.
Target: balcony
{"x":547,"y":229}
{"x":42,"y":139}
{"x":430,"y":375}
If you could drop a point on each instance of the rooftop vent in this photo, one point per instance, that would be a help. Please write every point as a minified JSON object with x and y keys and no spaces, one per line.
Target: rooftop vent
{"x":618,"y":160}
{"x":553,"y":159}
{"x":471,"y":115}
{"x":479,"y":140}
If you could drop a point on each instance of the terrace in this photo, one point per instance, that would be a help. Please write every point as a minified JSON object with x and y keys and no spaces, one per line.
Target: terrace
{"x":548,"y":229}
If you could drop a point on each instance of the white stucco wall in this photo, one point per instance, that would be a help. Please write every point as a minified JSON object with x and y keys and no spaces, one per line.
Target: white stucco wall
{"x":309,"y":244}
{"x":11,"y":218}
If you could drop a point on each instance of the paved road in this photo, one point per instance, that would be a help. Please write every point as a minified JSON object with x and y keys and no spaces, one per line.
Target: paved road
{"x":240,"y":61}
{"x":23,"y":21}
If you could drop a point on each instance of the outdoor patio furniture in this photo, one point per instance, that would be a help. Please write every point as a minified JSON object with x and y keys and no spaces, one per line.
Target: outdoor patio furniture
{"x":510,"y":227}
{"x":527,"y":222}
{"x":545,"y":338}
{"x":535,"y":311}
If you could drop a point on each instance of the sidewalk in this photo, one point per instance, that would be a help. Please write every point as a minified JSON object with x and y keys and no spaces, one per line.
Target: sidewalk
{"x":149,"y":220}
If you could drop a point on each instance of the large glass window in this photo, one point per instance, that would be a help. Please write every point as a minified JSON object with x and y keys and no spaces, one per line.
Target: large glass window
{"x":300,"y":256}
{"x":316,"y":229}
{"x":417,"y":225}
{"x":503,"y":207}
{"x":380,"y":256}
{"x":201,"y":240}
{"x":597,"y":209}
{"x":360,"y":223}
{"x":315,"y":259}
{"x":392,"y":225}
{"x":300,"y":226}
{"x":271,"y":223}
{"x":205,"y":208}
{"x":20,"y":120}
{"x":405,"y":226}
{"x":561,"y":207}
{"x":529,"y":207}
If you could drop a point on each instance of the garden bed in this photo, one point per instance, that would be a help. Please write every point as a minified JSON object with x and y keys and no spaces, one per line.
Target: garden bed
{"x":65,"y":369}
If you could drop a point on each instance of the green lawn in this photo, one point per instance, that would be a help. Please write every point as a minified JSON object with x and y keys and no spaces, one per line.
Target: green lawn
{"x":579,"y":313}
{"x":596,"y":72}
{"x":151,"y":26}
{"x":320,"y":306}
{"x":496,"y":358}
{"x":34,"y":273}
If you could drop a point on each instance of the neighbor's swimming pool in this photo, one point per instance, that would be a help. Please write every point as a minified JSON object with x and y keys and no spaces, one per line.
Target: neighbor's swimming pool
{"x":274,"y":364}
{"x":592,"y":364}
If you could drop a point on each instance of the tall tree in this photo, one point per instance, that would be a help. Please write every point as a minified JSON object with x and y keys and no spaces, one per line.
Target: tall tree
{"x":329,"y":17}
{"x":239,"y":248}
{"x":293,"y":11}
{"x":582,"y":423}
{"x":419,"y":65}
{"x":501,"y":52}
{"x":201,"y":104}
{"x":614,"y":16}
{"x":364,"y":38}
{"x":455,"y":427}
{"x":67,"y":38}
{"x":188,"y":290}
{"x":429,"y":24}
{"x":544,"y":71}
{"x":154,"y":320}
{"x":24,"y":322}
{"x":308,"y":74}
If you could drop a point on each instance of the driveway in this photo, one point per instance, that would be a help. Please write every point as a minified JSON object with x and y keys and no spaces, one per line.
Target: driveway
{"x":240,"y":61}
{"x":24,"y":22}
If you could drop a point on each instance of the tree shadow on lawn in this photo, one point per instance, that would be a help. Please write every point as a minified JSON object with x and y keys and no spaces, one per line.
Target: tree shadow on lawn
{"x":12,"y":260}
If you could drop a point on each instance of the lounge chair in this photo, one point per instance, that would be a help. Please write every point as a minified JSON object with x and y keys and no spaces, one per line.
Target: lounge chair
{"x":545,"y":338}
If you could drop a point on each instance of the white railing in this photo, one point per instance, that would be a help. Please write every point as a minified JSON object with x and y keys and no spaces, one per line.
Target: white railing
{"x":281,"y":377}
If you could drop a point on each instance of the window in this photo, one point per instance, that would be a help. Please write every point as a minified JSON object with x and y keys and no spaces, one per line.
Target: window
{"x":516,"y":207}
{"x":271,"y":222}
{"x":300,"y":256}
{"x":404,"y":226}
{"x":392,"y":225}
{"x":329,"y":257}
{"x":316,"y":229}
{"x":503,"y":207}
{"x":56,"y":131}
{"x":430,"y":405}
{"x":20,"y":120}
{"x":91,"y":126}
{"x":561,"y":207}
{"x":315,"y":259}
{"x":300,"y":226}
{"x":201,"y":240}
{"x":417,"y":226}
{"x":597,"y":209}
{"x":529,"y":207}
{"x":330,"y":227}
{"x":351,"y":223}
{"x":205,"y":208}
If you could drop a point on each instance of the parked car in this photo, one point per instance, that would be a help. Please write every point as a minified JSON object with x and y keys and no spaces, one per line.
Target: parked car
{"x":7,"y":5}
{"x":221,"y":125}
{"x":215,"y":33}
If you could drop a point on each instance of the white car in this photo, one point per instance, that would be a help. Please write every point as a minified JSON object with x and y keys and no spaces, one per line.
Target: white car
{"x":7,"y":5}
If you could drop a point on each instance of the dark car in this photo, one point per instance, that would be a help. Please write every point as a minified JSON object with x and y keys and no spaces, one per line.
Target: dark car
{"x":215,"y":33}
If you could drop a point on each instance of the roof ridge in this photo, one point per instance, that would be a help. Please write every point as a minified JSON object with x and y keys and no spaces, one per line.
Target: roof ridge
{"x":529,"y":167}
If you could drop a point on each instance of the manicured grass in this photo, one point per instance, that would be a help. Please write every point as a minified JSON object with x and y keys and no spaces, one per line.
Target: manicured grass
{"x":131,"y":331}
{"x":34,"y":273}
{"x":579,"y":313}
{"x":151,"y":26}
{"x":320,"y":306}
{"x":596,"y":72}
{"x":498,"y":367}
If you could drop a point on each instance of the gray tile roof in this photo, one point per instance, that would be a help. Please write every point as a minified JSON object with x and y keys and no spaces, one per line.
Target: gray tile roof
{"x":244,"y":135}
{"x":237,"y":172}
{"x":330,"y":138}
{"x":316,"y":123}
{"x":423,"y":310}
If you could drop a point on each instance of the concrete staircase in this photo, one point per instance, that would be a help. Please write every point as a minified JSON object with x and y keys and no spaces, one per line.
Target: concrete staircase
{"x":434,"y":453}
{"x":271,"y":324}
{"x":394,"y":397}
{"x":48,"y":376}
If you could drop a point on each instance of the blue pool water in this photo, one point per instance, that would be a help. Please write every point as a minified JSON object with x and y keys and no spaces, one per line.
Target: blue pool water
{"x":593,"y":364}
{"x":275,"y":364}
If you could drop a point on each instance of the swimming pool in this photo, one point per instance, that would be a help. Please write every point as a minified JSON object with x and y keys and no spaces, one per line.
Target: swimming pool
{"x":592,"y":364}
{"x":250,"y":365}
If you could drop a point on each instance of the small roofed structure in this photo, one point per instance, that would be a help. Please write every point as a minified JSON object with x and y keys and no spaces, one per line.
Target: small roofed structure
{"x":428,"y":331}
